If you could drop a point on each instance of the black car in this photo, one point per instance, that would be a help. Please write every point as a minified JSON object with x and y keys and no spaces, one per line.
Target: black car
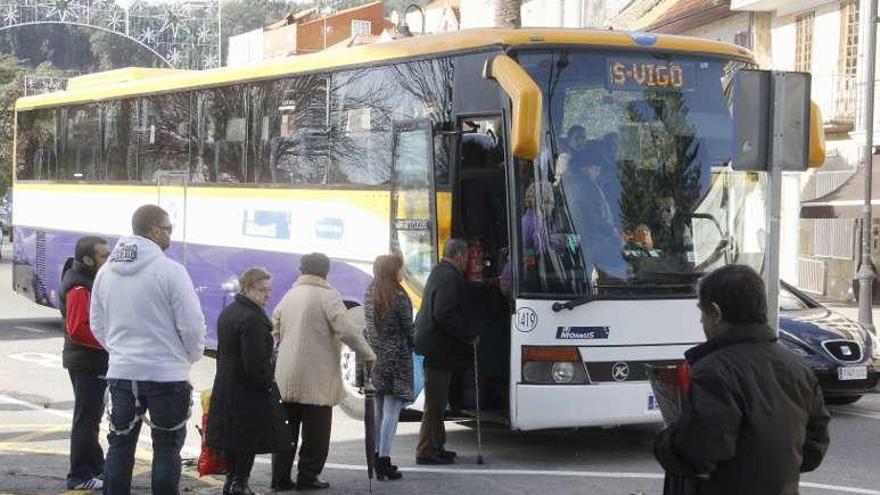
{"x":844,"y":356}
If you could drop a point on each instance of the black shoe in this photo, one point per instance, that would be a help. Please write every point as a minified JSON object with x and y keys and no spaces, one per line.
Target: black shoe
{"x":385,"y":470}
{"x":435,"y":460}
{"x":240,"y":487}
{"x":284,"y":487}
{"x":314,"y":484}
{"x":448,"y":454}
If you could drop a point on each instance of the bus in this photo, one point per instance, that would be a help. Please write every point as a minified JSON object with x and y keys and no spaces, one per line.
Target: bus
{"x":589,"y":172}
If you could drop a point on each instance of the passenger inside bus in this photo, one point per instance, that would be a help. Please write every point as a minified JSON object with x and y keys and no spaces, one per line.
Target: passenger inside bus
{"x":589,"y":184}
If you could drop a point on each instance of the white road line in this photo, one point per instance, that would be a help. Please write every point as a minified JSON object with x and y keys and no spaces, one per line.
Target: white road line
{"x":144,"y":437}
{"x":856,"y":412}
{"x":30,"y":329}
{"x":844,"y":489}
{"x":189,"y":452}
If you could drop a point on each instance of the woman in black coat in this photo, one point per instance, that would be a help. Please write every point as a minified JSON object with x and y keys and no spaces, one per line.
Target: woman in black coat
{"x":389,"y":331}
{"x":246,"y":418}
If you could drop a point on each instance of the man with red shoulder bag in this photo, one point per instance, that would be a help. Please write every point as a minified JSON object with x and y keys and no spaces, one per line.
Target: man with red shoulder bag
{"x":86,"y":363}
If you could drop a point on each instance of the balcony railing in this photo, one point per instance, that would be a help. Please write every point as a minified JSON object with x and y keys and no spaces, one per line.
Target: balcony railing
{"x":846,"y":97}
{"x":838,"y":97}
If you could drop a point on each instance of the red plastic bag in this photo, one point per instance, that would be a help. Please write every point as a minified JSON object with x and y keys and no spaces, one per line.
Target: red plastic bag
{"x":210,"y":461}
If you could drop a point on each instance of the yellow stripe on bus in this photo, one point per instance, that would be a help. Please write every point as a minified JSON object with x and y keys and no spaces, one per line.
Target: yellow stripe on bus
{"x":334,"y":59}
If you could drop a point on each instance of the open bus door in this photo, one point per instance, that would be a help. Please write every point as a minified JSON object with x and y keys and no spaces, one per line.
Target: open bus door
{"x":171,"y":188}
{"x":479,"y":213}
{"x":413,"y":207}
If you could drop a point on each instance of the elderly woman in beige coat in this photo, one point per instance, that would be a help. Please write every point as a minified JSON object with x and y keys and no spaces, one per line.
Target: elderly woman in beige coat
{"x":310,"y":325}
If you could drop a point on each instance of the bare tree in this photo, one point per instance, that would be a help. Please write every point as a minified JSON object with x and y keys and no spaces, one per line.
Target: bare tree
{"x":507,"y":13}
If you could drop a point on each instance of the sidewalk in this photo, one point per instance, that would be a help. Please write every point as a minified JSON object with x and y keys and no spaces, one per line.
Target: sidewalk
{"x":850,"y":310}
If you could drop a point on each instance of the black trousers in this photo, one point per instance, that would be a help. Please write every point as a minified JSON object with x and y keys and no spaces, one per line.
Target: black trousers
{"x":432,"y":434}
{"x":86,"y":454}
{"x":239,"y":464}
{"x":316,"y":422}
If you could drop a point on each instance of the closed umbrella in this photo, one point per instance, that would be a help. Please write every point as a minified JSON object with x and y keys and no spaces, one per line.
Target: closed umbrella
{"x":369,"y":423}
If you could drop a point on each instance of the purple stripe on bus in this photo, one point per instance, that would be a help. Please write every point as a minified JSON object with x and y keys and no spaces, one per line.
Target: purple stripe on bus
{"x":209,"y":266}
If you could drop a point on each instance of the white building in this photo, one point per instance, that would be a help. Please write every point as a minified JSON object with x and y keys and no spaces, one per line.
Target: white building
{"x":821,"y":37}
{"x":451,"y":15}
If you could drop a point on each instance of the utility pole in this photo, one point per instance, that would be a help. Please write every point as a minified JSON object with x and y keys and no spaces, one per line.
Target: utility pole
{"x":868,"y":41}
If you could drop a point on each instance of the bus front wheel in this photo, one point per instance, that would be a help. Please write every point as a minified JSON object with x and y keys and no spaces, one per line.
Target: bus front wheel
{"x":352,"y":381}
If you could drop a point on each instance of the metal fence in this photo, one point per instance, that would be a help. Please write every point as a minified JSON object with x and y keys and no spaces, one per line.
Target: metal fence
{"x":824,"y":182}
{"x":811,"y":275}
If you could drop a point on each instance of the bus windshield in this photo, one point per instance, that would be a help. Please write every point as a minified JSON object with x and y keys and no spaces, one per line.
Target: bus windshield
{"x":632,"y":194}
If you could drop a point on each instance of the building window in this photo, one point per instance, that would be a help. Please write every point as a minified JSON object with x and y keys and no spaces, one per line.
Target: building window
{"x":360,"y":28}
{"x":803,"y":55}
{"x":849,"y":37}
{"x":743,"y":39}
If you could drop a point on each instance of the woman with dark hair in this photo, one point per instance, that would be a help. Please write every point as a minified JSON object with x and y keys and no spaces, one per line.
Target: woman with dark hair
{"x":245,"y":416}
{"x":389,"y":331}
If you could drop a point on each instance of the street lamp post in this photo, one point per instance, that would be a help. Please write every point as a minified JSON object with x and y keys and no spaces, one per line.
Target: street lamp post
{"x":869,"y":46}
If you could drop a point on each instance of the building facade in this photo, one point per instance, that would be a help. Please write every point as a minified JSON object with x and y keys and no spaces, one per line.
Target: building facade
{"x":307,"y":31}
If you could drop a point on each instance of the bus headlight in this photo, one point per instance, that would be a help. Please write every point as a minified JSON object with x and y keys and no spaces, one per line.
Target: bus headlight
{"x":553,"y":365}
{"x":562,"y":372}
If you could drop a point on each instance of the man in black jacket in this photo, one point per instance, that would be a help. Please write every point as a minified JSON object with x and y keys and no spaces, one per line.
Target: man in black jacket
{"x":444,"y":337}
{"x":756,"y":417}
{"x":86,"y":363}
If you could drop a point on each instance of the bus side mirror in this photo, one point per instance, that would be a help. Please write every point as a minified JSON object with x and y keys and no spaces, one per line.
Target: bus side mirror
{"x":527,"y":102}
{"x":817,"y":137}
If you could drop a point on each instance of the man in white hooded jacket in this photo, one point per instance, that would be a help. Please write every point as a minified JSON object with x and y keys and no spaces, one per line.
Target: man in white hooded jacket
{"x":146,"y":314}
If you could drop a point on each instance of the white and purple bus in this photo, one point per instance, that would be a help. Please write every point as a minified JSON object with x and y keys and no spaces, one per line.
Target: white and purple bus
{"x":589,"y":171}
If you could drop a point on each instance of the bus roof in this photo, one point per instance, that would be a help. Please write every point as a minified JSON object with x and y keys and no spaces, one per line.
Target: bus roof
{"x":139,"y":81}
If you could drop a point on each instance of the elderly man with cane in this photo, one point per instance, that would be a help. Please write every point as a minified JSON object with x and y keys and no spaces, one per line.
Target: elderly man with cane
{"x":445,"y":337}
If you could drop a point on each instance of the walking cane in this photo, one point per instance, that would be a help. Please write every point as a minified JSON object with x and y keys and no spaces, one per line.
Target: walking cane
{"x":477,"y":401}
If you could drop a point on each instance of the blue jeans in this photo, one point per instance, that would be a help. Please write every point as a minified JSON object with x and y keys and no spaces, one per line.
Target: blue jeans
{"x":387,"y":415}
{"x":168,"y":407}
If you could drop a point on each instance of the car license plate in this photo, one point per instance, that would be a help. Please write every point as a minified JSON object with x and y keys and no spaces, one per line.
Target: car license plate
{"x":852,"y":373}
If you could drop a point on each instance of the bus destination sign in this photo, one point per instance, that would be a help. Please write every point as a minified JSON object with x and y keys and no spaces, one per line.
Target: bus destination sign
{"x":639,"y":74}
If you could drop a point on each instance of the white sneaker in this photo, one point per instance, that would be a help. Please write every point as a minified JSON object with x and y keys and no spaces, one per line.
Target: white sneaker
{"x":90,"y":484}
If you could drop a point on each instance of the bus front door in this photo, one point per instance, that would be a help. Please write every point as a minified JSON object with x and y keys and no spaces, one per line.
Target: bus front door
{"x":413,"y":210}
{"x":171,"y":196}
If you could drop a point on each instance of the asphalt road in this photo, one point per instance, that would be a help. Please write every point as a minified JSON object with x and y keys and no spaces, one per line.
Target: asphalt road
{"x":36,"y":404}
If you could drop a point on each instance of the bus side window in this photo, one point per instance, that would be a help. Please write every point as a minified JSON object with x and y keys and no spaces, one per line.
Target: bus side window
{"x":80,"y":155}
{"x":164,"y":127}
{"x":119,"y":143}
{"x":36,"y":146}
{"x":294,"y":124}
{"x":220,"y":142}
{"x":362,"y":104}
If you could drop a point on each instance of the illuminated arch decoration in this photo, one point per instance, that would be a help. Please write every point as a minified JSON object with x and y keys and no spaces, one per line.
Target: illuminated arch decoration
{"x":183,"y":34}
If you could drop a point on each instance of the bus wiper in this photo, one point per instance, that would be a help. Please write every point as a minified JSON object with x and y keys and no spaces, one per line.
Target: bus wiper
{"x":571,"y":304}
{"x":580,"y":301}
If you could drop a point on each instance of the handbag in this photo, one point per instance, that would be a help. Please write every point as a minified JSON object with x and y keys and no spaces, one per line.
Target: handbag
{"x":210,"y":460}
{"x":418,"y":374}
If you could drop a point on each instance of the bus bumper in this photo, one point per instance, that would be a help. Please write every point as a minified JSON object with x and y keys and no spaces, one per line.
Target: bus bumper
{"x":539,"y":407}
